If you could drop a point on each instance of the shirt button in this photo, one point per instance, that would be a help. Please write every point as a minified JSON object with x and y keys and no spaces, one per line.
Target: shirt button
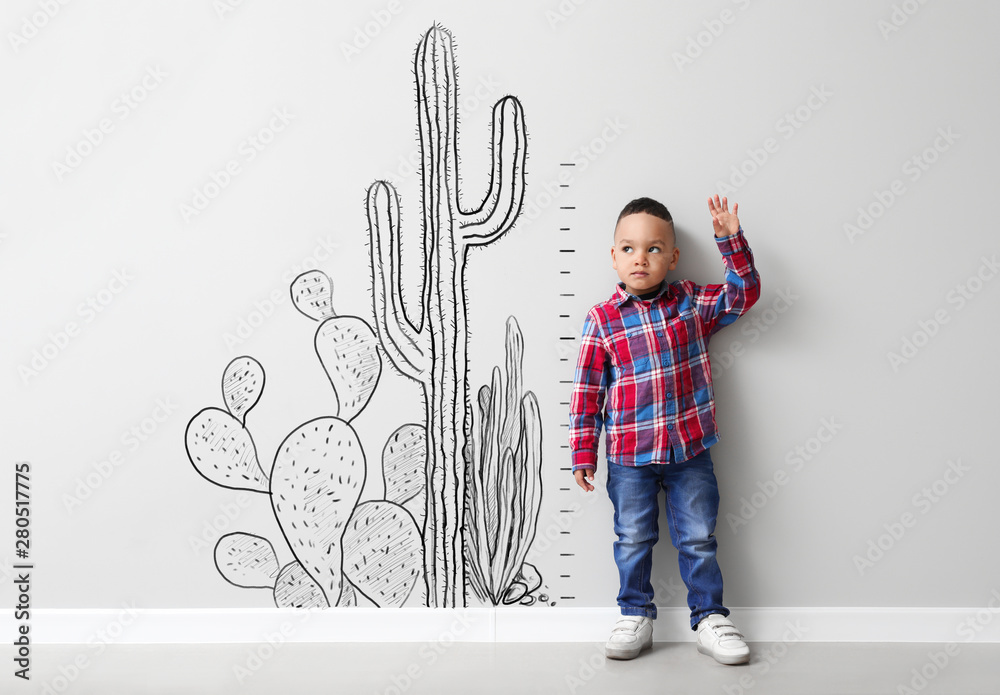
{"x":670,"y":427}
{"x":669,"y":394}
{"x":659,"y":334}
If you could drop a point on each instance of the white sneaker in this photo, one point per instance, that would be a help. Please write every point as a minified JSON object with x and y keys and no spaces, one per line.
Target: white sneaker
{"x":719,"y":638}
{"x":631,"y":635}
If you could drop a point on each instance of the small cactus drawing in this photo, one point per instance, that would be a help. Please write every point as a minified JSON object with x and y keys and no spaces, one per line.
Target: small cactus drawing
{"x":429,"y":344}
{"x":504,"y":488}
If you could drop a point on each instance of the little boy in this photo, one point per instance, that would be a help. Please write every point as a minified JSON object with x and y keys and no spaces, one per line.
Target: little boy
{"x":643,"y":374}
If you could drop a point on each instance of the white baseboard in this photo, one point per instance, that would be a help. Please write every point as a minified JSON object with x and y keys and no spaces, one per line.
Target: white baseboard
{"x":507,"y":624}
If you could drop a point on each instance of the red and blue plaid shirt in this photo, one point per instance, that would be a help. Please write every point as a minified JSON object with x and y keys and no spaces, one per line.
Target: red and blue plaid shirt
{"x":643,"y":372}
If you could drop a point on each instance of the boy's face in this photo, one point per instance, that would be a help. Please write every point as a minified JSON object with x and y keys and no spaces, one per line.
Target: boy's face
{"x":643,"y":252}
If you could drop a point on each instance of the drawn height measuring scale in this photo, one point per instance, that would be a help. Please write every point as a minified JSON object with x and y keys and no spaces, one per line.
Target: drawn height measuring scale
{"x":567,"y":492}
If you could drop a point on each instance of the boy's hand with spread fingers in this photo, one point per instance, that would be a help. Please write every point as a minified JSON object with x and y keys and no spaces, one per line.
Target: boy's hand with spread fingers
{"x":581,"y":481}
{"x":725,"y":223}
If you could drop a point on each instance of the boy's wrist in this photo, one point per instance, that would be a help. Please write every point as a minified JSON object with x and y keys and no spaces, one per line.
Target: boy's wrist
{"x":731,"y":243}
{"x":584,"y":459}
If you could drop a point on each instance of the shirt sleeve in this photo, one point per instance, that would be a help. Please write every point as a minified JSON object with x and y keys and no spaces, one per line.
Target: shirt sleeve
{"x":721,"y":305}
{"x":586,"y":408}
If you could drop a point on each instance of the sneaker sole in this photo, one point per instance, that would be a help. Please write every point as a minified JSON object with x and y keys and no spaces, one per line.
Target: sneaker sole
{"x":626,"y":654}
{"x":727,"y":659}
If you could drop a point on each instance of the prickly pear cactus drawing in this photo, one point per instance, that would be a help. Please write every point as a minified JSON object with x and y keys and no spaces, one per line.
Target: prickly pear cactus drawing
{"x":341,"y":548}
{"x":429,"y":344}
{"x":380,"y":530}
{"x":404,"y":461}
{"x":218,"y":442}
{"x":247,"y":560}
{"x":458,"y":489}
{"x":345,"y":345}
{"x":319,"y":472}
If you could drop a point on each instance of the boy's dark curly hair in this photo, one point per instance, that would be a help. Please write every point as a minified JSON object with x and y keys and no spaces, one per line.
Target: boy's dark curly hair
{"x":647,"y":205}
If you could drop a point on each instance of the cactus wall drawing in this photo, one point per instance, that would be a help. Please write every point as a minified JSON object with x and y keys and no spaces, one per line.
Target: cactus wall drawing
{"x":462,"y":484}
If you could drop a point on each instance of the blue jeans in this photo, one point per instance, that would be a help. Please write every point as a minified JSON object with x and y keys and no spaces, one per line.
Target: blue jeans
{"x":692,"y":494}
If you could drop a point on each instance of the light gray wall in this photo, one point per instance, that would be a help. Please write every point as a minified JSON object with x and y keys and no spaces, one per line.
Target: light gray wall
{"x":680,"y":131}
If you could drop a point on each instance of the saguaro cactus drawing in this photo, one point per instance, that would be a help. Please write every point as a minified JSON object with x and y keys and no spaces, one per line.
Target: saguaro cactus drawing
{"x":428,"y":343}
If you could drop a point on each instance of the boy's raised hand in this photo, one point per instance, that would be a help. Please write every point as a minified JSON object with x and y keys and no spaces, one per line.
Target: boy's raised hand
{"x":726,"y":223}
{"x":581,"y":481}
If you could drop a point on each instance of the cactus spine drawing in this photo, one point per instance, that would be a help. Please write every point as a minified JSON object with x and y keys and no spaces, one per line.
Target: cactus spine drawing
{"x":428,"y":341}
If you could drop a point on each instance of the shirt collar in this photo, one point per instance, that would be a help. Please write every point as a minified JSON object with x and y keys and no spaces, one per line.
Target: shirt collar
{"x":622,"y":295}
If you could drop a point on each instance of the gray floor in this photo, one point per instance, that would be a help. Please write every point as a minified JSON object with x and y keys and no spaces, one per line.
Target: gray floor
{"x":511,"y":669}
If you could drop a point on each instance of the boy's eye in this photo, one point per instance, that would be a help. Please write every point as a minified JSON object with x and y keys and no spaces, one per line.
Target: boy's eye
{"x":654,"y":249}
{"x":626,"y":249}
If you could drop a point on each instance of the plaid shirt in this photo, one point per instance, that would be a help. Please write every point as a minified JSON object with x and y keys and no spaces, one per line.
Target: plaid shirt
{"x":649,"y":359}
